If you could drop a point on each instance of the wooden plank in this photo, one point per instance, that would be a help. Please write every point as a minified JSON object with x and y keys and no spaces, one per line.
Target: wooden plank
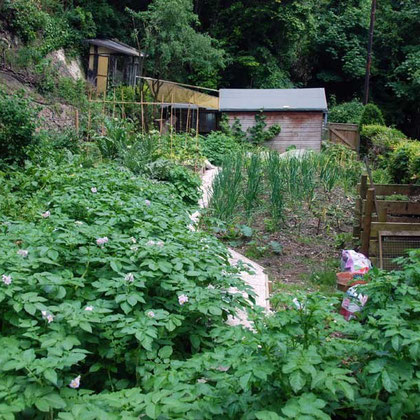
{"x":366,"y":234}
{"x":393,"y":227}
{"x":403,"y":189}
{"x":363,"y":186}
{"x":399,"y":207}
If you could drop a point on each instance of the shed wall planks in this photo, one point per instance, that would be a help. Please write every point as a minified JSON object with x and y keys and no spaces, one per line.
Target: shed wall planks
{"x":301,"y":129}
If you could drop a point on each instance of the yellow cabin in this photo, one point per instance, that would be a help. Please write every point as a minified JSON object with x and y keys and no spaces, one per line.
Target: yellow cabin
{"x":112,"y":63}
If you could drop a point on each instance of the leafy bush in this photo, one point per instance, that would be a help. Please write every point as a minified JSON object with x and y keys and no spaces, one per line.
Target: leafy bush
{"x":103,"y":284}
{"x":217,"y":145}
{"x":25,"y":17}
{"x":404,"y":163}
{"x":347,"y":112}
{"x":371,"y":115}
{"x":17,"y":126}
{"x":378,"y":141}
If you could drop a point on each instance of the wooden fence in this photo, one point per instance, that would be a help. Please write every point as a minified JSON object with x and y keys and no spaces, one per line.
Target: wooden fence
{"x":377,"y":214}
{"x":346,"y":134}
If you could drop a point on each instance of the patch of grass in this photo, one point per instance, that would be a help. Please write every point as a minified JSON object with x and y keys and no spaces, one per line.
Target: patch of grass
{"x":326,"y":274}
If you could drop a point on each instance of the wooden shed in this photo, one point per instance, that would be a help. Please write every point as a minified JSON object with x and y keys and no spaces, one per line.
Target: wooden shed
{"x":300,"y":113}
{"x":112,"y":63}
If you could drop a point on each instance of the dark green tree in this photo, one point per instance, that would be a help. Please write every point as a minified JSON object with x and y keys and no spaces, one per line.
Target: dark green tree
{"x":167,"y":33}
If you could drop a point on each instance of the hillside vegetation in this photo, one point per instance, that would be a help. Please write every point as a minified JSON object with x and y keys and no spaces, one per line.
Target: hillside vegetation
{"x":272,"y":44}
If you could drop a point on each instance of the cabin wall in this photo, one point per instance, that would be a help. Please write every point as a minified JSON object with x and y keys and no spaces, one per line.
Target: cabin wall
{"x":301,"y":129}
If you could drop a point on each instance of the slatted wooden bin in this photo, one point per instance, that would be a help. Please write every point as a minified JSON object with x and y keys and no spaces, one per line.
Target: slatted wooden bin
{"x":381,"y":222}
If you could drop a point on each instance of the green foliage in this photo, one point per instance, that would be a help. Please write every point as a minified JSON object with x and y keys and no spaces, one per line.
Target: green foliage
{"x":172,"y":43}
{"x":227,"y":188}
{"x":49,"y":26}
{"x":284,"y":186}
{"x":259,"y":133}
{"x":346,"y":112}
{"x":404,"y":163}
{"x":26,"y":18}
{"x":186,"y":182}
{"x":72,"y":91}
{"x":371,"y":115}
{"x":109,"y":311}
{"x":17,"y":126}
{"x":217,"y":145}
{"x":379,"y":142}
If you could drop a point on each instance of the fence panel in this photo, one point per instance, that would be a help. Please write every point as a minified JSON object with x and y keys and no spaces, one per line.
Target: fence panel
{"x":346,"y":134}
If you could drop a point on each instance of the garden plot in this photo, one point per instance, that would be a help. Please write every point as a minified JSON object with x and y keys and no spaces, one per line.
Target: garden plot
{"x":292,"y":215}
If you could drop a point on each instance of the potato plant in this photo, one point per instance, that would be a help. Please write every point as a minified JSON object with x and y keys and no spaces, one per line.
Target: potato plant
{"x":101,"y":282}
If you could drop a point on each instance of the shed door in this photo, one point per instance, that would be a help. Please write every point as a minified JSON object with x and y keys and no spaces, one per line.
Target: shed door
{"x":102,"y":76}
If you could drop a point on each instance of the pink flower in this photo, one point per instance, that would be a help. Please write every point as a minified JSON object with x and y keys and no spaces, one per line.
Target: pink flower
{"x":182,"y":299}
{"x":102,"y":241}
{"x":129,"y":277}
{"x":94,"y":190}
{"x":363,"y":299}
{"x":89,"y":308}
{"x":147,"y":202}
{"x":7,"y":280}
{"x":46,"y":214}
{"x":75,"y":383}
{"x":151,"y":314}
{"x":47,"y":316}
{"x":23,"y":252}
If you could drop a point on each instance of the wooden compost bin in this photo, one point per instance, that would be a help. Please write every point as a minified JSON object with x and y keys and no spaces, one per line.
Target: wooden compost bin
{"x":378,"y":218}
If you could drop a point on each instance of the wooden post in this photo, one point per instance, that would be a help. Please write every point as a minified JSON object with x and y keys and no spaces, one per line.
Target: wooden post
{"x":363,"y":186}
{"x":161,"y":117}
{"x":113,"y":106}
{"x":89,"y":115}
{"x":172,"y":102}
{"x":367,"y":221}
{"x":103,"y":114}
{"x":122,"y":105}
{"x":187,"y":126}
{"x":142,"y":111}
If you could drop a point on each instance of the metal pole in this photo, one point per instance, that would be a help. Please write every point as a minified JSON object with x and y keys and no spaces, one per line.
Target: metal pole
{"x":369,"y":52}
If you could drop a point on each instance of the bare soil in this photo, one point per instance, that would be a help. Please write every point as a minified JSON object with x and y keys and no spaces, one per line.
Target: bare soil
{"x":308,"y":246}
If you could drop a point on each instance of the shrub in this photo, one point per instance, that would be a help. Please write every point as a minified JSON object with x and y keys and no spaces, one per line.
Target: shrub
{"x":404,"y":162}
{"x":379,"y":141}
{"x":17,"y":126}
{"x":26,"y":18}
{"x":347,"y":112}
{"x":217,"y":145}
{"x":371,"y":115}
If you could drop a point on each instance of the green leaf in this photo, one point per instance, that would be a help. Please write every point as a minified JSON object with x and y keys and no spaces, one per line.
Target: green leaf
{"x":387,"y":382}
{"x":297,"y":381}
{"x":347,"y":389}
{"x":53,"y":254}
{"x":267,"y":415}
{"x":51,"y":375}
{"x":165,"y":352}
{"x":115,"y":266}
{"x":164,"y":266}
{"x":85,"y":326}
{"x":132,"y":300}
{"x":243,"y":381}
{"x":30,"y":308}
{"x":152,"y":411}
{"x":54,"y":400}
